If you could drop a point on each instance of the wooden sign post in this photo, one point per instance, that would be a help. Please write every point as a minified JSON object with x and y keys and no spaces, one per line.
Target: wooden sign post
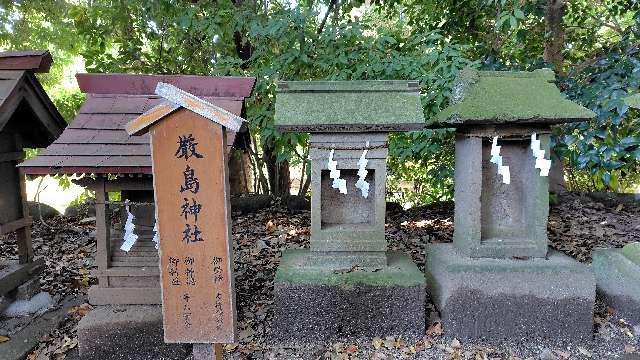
{"x":191,"y":189}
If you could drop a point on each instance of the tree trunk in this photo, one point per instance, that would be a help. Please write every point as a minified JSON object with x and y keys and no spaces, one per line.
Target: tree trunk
{"x":279,"y":180}
{"x":240,"y":178}
{"x":554,"y":32}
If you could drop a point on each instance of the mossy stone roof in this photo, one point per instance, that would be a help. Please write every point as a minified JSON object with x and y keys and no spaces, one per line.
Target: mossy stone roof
{"x":632,"y":252}
{"x":634,"y":101}
{"x":508,"y":97}
{"x":348,"y":106}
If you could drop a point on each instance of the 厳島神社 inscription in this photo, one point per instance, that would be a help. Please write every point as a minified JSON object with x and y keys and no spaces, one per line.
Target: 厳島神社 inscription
{"x":190,"y":187}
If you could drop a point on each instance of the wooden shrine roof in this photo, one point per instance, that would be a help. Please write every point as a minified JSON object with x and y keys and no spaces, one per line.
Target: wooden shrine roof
{"x":25,"y":107}
{"x":97,"y":143}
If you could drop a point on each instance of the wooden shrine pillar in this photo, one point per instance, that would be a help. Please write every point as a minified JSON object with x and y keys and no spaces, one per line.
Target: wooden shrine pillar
{"x":14,"y":211}
{"x":103,"y":228}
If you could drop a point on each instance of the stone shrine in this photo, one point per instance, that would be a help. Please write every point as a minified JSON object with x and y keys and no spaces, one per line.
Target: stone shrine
{"x":618,"y":279}
{"x":347,"y":284}
{"x":498,"y":269}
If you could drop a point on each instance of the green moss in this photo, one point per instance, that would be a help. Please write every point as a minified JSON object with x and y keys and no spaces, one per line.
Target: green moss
{"x":309,"y":105}
{"x":491,"y":97}
{"x":634,"y":101}
{"x":632,"y":252}
{"x":401,"y":271}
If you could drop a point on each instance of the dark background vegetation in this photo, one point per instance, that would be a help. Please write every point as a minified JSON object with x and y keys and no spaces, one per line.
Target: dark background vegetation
{"x":592,"y":45}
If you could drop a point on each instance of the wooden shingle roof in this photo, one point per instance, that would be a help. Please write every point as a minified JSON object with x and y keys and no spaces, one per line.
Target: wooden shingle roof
{"x":25,"y":107}
{"x":97,"y":143}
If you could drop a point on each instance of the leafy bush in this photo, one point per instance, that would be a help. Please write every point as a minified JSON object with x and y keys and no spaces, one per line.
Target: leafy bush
{"x":606,"y":149}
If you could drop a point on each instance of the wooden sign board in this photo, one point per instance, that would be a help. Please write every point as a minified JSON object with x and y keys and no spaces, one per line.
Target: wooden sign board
{"x":192,"y":204}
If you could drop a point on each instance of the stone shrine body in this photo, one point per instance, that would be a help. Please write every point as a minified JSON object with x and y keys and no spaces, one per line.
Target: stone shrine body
{"x":347,"y":266}
{"x":499,"y":268}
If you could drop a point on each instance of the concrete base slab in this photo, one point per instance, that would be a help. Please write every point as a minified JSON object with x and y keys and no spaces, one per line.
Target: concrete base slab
{"x":29,"y":289}
{"x":132,"y":332}
{"x":319,"y":305}
{"x":25,"y":333}
{"x":509,"y":300}
{"x":13,"y":274}
{"x":618,"y":282}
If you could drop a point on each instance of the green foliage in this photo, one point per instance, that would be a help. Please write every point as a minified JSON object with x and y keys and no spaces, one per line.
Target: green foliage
{"x":427,"y":40}
{"x":607,"y":148}
{"x":83,"y":198}
{"x":68,"y":102}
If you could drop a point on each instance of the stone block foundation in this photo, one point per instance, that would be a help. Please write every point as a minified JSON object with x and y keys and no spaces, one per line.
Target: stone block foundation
{"x":316,"y":304}
{"x":618,"y":282}
{"x":131,"y":332}
{"x":509,"y":300}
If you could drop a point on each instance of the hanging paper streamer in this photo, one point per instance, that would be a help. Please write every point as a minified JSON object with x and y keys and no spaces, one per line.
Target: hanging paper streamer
{"x":129,"y":237}
{"x":496,"y":158}
{"x":156,"y":237}
{"x":362,"y":173}
{"x":340,"y":184}
{"x":541,"y":163}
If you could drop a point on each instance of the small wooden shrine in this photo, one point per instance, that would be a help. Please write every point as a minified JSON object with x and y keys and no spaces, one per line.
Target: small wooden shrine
{"x":28,"y":119}
{"x":97,"y":145}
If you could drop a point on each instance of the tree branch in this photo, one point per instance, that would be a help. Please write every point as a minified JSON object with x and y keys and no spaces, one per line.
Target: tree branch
{"x":326,"y":16}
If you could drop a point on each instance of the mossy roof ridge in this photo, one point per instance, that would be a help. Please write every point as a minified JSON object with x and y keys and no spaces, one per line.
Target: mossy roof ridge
{"x":634,"y":101}
{"x":502,"y":97}
{"x":348,"y":106}
{"x":632,"y":252}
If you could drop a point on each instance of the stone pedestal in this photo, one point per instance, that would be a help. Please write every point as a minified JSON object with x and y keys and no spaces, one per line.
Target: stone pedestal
{"x":347,"y":285}
{"x":617,"y":274}
{"x":509,"y":300}
{"x":317,"y":304}
{"x":132,"y":332}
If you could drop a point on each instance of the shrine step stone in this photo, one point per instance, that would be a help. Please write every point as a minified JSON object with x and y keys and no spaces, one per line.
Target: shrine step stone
{"x":132,"y":332}
{"x":510,"y":300}
{"x":320,"y":304}
{"x":618,"y":280}
{"x":29,"y":289}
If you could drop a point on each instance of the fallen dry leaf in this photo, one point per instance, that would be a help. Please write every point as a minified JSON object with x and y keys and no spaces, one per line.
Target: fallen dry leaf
{"x":435,"y":329}
{"x":4,"y":339}
{"x":584,"y":351}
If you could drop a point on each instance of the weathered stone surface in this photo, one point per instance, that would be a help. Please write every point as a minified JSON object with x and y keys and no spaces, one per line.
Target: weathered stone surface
{"x":4,"y":303}
{"x":348,"y":106}
{"x":618,"y":281}
{"x":132,"y":332}
{"x":39,"y":209}
{"x":81,"y":210}
{"x":508,"y":300}
{"x":348,"y":222}
{"x":250,"y":203}
{"x":505,"y":97}
{"x":318,"y":305}
{"x":29,"y":289}
{"x":494,"y":219}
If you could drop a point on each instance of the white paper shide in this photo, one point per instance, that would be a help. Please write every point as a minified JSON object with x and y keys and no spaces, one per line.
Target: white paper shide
{"x":362,"y":173}
{"x":129,"y":237}
{"x":338,"y":183}
{"x":541,"y":163}
{"x":496,"y":158}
